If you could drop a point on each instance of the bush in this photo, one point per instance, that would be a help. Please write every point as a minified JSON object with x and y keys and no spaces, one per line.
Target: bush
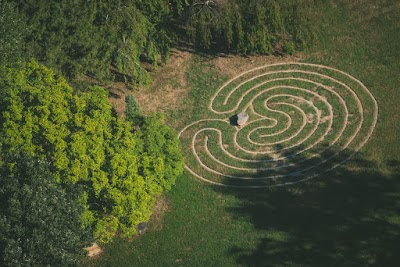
{"x":104,"y":39}
{"x":12,"y":33}
{"x":132,"y":110}
{"x":121,"y":169}
{"x":40,"y":222}
{"x":162,"y":158}
{"x":247,"y":27}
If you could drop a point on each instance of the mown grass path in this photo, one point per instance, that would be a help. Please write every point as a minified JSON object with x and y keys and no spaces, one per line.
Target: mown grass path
{"x":348,"y":216}
{"x":305,"y":119}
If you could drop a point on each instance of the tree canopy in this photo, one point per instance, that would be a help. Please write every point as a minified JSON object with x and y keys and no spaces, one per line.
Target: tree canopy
{"x":248,"y":27}
{"x":75,"y":137}
{"x":121,"y":169}
{"x":112,"y":39}
{"x":40,"y":222}
{"x":100,"y":38}
{"x":12,"y":33}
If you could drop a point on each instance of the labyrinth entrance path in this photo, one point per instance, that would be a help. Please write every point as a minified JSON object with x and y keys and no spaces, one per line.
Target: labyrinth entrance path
{"x":304,"y":120}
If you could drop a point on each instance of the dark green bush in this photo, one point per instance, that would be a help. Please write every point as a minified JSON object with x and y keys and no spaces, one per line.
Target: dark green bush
{"x":132,"y":110}
{"x":122,"y":169}
{"x":12,"y":33}
{"x":248,"y":26}
{"x":40,"y":222}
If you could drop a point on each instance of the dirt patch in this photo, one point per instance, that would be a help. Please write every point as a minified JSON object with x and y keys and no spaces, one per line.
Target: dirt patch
{"x":168,"y":88}
{"x":310,"y":118}
{"x":166,"y":92}
{"x":234,"y":65}
{"x":159,"y":211}
{"x":117,"y":93}
{"x":325,"y":119}
{"x":93,"y":250}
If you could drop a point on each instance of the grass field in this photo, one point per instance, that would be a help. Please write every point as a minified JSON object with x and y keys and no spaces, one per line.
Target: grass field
{"x":348,"y":216}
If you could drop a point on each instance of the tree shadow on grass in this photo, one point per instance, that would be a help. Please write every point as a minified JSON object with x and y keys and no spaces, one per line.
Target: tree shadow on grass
{"x":345,"y":217}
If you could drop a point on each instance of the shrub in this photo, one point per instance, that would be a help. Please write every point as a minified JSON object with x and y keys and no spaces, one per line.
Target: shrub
{"x":40,"y":222}
{"x":121,"y":169}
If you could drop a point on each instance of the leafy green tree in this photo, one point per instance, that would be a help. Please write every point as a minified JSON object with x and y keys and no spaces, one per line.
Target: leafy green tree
{"x":132,"y":110}
{"x":162,"y":159}
{"x":105,"y":39}
{"x":121,"y":169}
{"x":35,"y":113}
{"x":205,"y":22}
{"x":112,"y":39}
{"x":40,"y":222}
{"x":12,"y":33}
{"x":248,"y":27}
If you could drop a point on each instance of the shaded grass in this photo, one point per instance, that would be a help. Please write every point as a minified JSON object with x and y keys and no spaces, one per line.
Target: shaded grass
{"x":339,"y":220}
{"x":346,"y":217}
{"x":323,"y":87}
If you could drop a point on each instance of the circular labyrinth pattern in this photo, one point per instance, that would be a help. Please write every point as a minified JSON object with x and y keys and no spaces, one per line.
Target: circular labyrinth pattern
{"x":304,"y":119}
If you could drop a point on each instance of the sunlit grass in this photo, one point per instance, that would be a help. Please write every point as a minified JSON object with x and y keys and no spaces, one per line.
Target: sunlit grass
{"x":347,"y":217}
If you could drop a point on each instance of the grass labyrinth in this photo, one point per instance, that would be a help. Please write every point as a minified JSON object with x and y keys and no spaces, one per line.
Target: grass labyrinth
{"x":304,"y":119}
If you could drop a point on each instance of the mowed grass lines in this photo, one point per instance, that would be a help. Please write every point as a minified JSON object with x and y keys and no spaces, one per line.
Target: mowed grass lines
{"x":347,"y":217}
{"x":305,"y":119}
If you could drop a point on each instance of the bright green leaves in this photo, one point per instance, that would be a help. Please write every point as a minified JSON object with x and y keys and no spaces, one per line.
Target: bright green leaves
{"x":106,"y":229}
{"x":121,"y":169}
{"x":90,"y":122}
{"x":34,"y":111}
{"x":163,"y":156}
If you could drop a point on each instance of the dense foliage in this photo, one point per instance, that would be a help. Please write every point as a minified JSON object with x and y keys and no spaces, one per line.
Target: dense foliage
{"x":132,"y":109}
{"x":99,"y":38}
{"x":40,"y":222}
{"x":113,"y":39}
{"x":162,"y":159}
{"x":12,"y":33}
{"x":75,"y":138}
{"x":248,"y":27}
{"x":121,"y":168}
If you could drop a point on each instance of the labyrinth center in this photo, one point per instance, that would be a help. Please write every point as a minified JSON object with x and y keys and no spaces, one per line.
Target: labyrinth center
{"x":304,"y":119}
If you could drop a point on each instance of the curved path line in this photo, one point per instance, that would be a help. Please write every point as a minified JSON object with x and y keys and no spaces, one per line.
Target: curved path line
{"x":300,"y":172}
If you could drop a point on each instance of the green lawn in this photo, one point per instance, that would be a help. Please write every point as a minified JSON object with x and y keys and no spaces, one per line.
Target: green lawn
{"x":349,"y":216}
